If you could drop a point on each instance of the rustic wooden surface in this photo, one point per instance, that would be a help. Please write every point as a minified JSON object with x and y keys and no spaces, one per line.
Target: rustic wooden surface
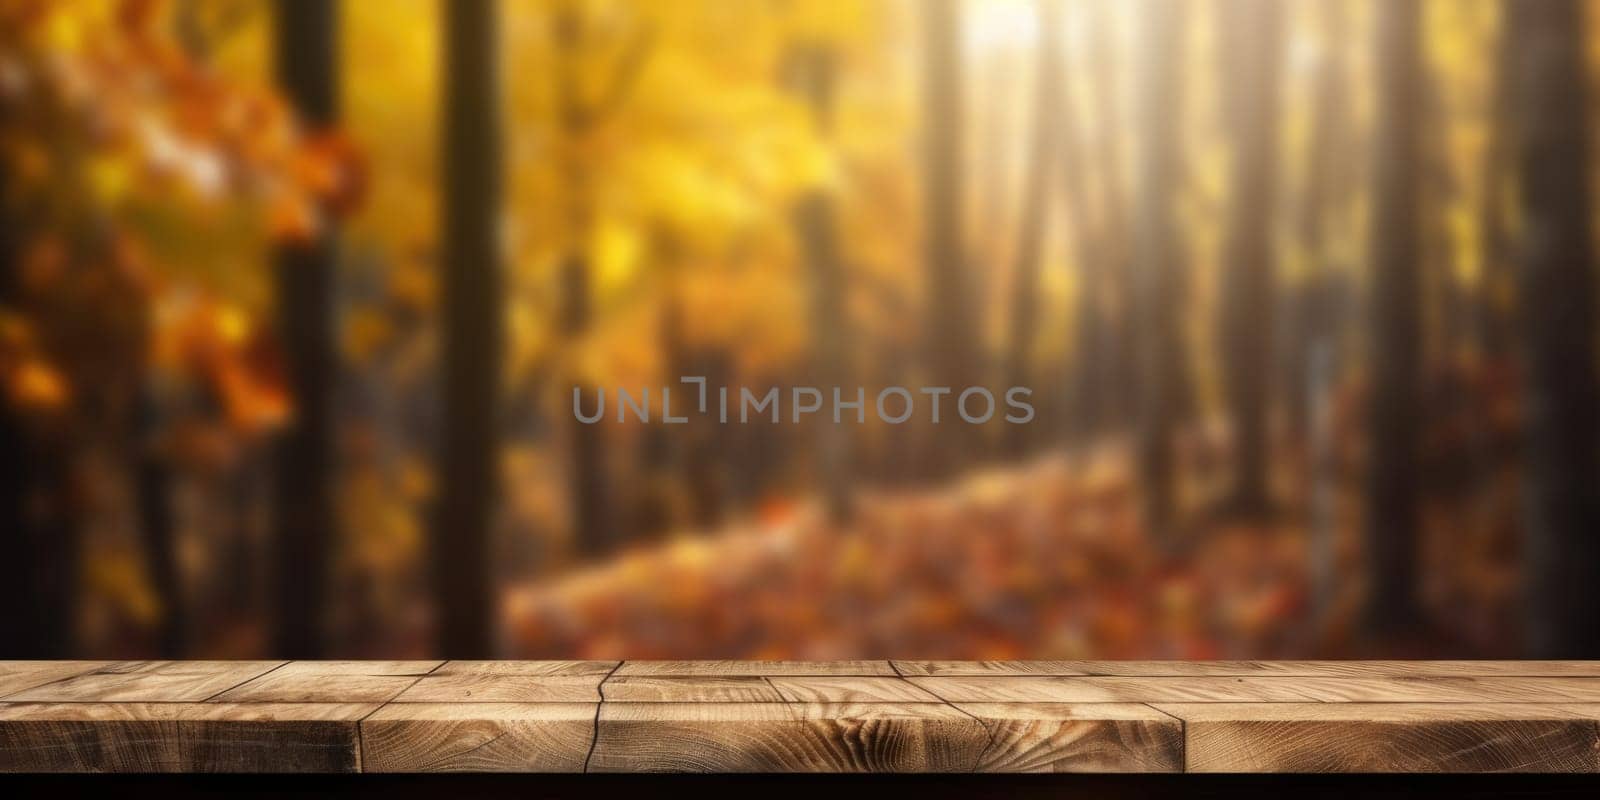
{"x":792,"y":716}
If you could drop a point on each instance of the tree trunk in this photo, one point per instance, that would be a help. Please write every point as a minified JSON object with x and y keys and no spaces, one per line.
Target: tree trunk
{"x":1312,"y":356}
{"x":1035,"y":196}
{"x":592,"y":525}
{"x":951,"y":359}
{"x":1158,"y":259}
{"x":991,"y":169}
{"x":307,"y":57}
{"x":1312,"y":325}
{"x":1095,"y":243}
{"x":38,"y":575}
{"x":1497,"y":318}
{"x":815,"y":71}
{"x":1563,"y":436}
{"x":1116,"y":377}
{"x":1444,"y":315}
{"x":18,"y":630}
{"x":1252,"y":36}
{"x":471,"y":348}
{"x":152,"y":472}
{"x":1392,"y":517}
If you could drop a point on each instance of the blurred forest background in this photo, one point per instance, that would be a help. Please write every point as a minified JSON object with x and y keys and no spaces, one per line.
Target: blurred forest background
{"x":294,"y":295}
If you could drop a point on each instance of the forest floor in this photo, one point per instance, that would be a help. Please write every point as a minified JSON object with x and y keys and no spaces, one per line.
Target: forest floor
{"x":1048,"y":560}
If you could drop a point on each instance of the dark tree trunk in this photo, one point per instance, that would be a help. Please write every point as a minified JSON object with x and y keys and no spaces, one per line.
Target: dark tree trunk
{"x":1048,"y":75}
{"x":1095,"y":243}
{"x":1558,"y":288}
{"x":1158,"y":259}
{"x":815,"y":75}
{"x":1312,"y":325}
{"x":819,"y":236}
{"x":991,"y":169}
{"x":18,"y":631}
{"x":1116,"y":375}
{"x":949,"y":322}
{"x":306,"y":50}
{"x":661,"y":447}
{"x":1443,"y":311}
{"x":38,"y":575}
{"x":42,"y":540}
{"x":1392,"y":517}
{"x":1251,"y":45}
{"x":592,"y":525}
{"x":1312,"y":355}
{"x":470,"y":356}
{"x":152,"y":472}
{"x":591,"y":522}
{"x":1497,"y":317}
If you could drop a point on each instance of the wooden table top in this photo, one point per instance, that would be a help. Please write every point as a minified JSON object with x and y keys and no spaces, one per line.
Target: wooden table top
{"x":786,"y":716}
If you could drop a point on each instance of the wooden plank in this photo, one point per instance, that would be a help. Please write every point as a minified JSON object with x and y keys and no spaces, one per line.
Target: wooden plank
{"x":780,"y":737}
{"x":444,"y":686}
{"x":18,"y":675}
{"x":1215,"y":689}
{"x":975,"y":668}
{"x":179,"y":737}
{"x":568,"y":669}
{"x":1337,"y":669}
{"x":687,"y":716}
{"x":305,"y":682}
{"x":1095,"y":737}
{"x":1452,"y":690}
{"x":1332,"y":669}
{"x":412,"y":668}
{"x":690,"y":690}
{"x":689,"y":669}
{"x":163,"y":682}
{"x":850,"y":690}
{"x":478,"y":737}
{"x":202,"y":667}
{"x":1390,"y":737}
{"x":1051,"y":689}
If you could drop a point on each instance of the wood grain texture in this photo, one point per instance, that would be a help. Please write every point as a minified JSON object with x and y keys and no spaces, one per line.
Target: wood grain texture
{"x":444,"y":686}
{"x":753,"y":668}
{"x":1058,"y":737}
{"x":1090,"y":689}
{"x":1330,"y":669}
{"x":972,"y":668}
{"x":478,"y":737}
{"x":303,"y":686}
{"x":156,"y":682}
{"x":1390,"y":737}
{"x":16,"y":676}
{"x":1215,"y":689}
{"x":179,"y":737}
{"x":690,"y":690}
{"x":1042,"y":716}
{"x":850,"y":690}
{"x":396,"y":668}
{"x":1342,"y":669}
{"x":191,"y":667}
{"x":1453,"y":690}
{"x":779,"y":737}
{"x":565,"y":669}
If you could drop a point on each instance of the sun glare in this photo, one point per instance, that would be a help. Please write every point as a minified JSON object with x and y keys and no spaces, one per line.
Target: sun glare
{"x":1002,"y":25}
